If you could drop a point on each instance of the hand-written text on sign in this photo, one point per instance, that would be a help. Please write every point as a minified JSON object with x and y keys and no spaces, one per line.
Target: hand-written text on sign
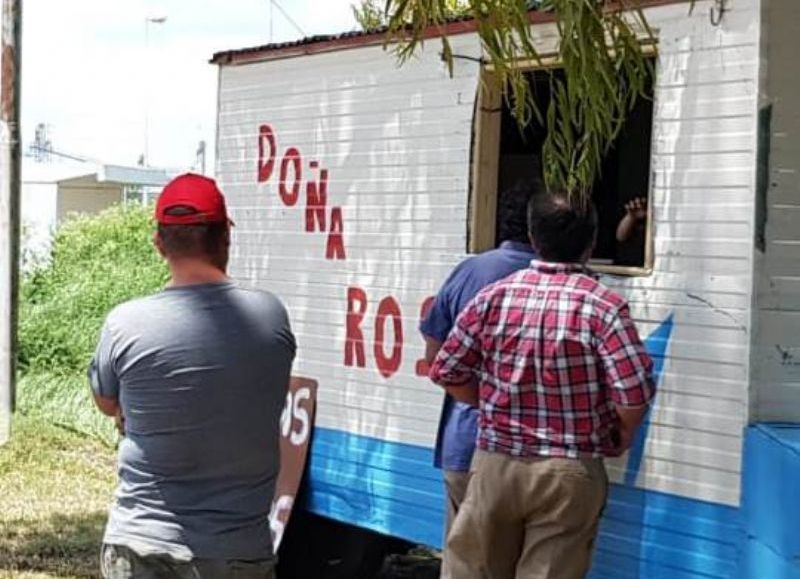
{"x":387,"y":352}
{"x":296,"y":425}
{"x":317,"y":217}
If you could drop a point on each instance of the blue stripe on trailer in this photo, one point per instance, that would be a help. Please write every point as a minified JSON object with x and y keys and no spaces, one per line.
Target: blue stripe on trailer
{"x":388,"y":487}
{"x":656,"y":344}
{"x":392,"y":488}
{"x":771,"y":501}
{"x":650,"y":535}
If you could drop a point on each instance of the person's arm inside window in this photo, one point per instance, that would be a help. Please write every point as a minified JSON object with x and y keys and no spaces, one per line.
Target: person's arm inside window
{"x":634,"y":221}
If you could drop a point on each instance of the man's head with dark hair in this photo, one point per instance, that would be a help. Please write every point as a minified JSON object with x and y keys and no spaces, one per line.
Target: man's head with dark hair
{"x":511,"y":222}
{"x":560,"y":230}
{"x":193,"y":222}
{"x":208,"y":242}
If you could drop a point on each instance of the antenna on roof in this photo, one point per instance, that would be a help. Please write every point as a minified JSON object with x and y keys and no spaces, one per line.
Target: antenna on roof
{"x":291,"y":20}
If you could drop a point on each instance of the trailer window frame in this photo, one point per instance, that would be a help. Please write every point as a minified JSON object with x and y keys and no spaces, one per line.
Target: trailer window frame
{"x":485,"y":166}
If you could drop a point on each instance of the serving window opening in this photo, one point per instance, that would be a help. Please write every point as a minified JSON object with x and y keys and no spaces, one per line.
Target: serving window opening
{"x":504,"y":157}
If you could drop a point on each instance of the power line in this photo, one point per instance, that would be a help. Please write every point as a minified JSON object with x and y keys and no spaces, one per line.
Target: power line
{"x":289,"y":18}
{"x":50,"y":151}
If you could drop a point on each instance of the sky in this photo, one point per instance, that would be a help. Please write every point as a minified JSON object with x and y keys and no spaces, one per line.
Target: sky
{"x":90,"y":74}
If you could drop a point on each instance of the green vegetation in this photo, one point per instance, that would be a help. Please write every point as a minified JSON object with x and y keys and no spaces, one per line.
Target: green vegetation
{"x":97,"y":263}
{"x":57,"y":474}
{"x":601,"y":50}
{"x":65,"y":401}
{"x":371,"y":14}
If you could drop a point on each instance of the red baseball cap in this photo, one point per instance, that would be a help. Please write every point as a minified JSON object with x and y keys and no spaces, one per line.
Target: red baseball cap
{"x":191,"y":199}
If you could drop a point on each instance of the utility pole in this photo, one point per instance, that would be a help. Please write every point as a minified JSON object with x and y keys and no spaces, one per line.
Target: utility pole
{"x":200,"y":158}
{"x":158,"y":19}
{"x":10,"y":149}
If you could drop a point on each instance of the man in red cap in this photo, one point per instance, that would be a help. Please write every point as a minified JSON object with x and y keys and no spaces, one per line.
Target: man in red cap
{"x":198,"y":374}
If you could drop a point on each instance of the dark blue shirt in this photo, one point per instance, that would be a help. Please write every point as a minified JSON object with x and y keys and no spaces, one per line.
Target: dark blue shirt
{"x":458,"y":427}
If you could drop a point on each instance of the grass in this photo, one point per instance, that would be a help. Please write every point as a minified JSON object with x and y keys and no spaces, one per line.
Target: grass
{"x":55,"y":489}
{"x":64,"y":400}
{"x":57,"y":474}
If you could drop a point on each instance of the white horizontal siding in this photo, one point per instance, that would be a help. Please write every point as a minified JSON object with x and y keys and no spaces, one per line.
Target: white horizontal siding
{"x":396,"y":143}
{"x":776,"y":350}
{"x":703,"y":164}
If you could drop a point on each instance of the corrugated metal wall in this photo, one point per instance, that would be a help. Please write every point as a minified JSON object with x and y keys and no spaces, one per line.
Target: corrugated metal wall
{"x":776,"y":352}
{"x":704,"y":163}
{"x":395,"y":143}
{"x":396,"y":147}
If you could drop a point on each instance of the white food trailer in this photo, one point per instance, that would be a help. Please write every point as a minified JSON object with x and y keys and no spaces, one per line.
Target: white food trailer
{"x":357,"y":185}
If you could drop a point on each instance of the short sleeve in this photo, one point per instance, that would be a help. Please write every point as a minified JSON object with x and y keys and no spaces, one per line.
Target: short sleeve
{"x":287,"y":335}
{"x":438,"y":322}
{"x":460,"y":357}
{"x":441,"y":318}
{"x":628,"y":366}
{"x":102,"y":374}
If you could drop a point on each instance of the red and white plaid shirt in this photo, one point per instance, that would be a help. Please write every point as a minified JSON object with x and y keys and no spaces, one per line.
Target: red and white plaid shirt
{"x":553,"y":351}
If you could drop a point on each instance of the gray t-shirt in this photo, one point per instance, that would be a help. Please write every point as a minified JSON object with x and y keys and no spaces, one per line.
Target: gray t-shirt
{"x":201,"y":373}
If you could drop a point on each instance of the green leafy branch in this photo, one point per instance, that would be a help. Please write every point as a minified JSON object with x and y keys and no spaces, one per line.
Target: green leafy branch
{"x":602,"y":51}
{"x":371,"y":14}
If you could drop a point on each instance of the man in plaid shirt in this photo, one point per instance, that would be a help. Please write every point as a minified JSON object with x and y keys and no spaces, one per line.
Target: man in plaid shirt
{"x":556,"y":366}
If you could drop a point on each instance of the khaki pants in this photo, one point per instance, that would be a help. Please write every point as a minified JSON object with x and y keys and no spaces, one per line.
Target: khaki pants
{"x":455,"y":483}
{"x":527,"y":518}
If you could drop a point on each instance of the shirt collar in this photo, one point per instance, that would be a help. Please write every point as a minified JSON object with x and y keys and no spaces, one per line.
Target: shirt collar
{"x":554,"y":268}
{"x":517,"y":246}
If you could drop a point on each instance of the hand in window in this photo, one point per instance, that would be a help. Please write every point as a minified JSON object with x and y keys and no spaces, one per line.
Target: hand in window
{"x":635,"y":214}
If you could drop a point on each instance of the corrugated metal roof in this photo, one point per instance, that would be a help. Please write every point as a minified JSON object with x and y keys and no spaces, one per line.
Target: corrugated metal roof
{"x":311,"y":40}
{"x":227,"y":55}
{"x":361,"y":37}
{"x":355,"y":38}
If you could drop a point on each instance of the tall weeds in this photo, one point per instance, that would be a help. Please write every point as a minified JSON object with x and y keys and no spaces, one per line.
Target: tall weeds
{"x":97,"y":262}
